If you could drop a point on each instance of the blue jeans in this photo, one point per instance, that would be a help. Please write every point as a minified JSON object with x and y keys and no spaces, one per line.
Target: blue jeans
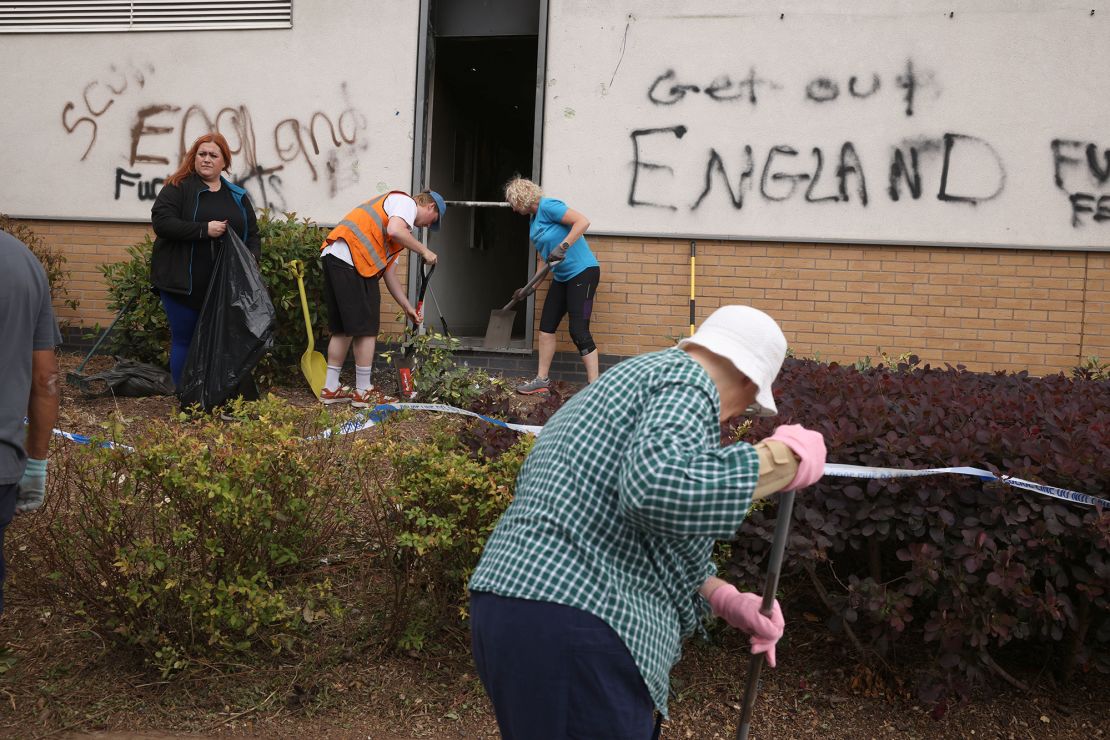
{"x":183,"y":322}
{"x":555,"y":672}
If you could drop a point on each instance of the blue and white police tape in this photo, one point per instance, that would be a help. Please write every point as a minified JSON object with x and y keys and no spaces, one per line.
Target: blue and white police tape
{"x":863,"y":471}
{"x":377,"y":414}
{"x":831,"y":469}
{"x":81,"y":439}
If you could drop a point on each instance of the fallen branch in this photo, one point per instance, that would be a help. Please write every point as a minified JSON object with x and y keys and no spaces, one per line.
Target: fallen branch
{"x":998,"y":671}
{"x":237,"y":715}
{"x":824,"y":596}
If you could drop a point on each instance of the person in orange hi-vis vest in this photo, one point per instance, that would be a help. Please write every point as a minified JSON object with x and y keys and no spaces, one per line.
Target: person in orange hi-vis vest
{"x":356,"y":255}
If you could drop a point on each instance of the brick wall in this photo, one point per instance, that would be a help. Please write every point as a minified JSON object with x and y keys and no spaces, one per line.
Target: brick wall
{"x":989,"y":309}
{"x":87,"y":245}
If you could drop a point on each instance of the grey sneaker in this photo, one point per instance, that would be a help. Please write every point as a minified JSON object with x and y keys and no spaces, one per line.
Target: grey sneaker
{"x":535,"y":385}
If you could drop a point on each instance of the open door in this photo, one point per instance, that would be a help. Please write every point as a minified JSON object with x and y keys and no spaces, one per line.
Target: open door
{"x":480,"y":119}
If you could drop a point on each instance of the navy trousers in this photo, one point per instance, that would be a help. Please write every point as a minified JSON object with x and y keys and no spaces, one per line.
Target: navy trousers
{"x":556,"y":672}
{"x":183,"y":324}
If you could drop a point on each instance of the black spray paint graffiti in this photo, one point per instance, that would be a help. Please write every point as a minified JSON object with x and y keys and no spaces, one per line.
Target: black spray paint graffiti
{"x":147,"y":189}
{"x":782,"y":173}
{"x":293,"y":139}
{"x":777,"y":184}
{"x":947,"y":147}
{"x":99,"y":95}
{"x":1082,"y":164}
{"x":722,"y":88}
{"x":665,"y":90}
{"x":637,"y":164}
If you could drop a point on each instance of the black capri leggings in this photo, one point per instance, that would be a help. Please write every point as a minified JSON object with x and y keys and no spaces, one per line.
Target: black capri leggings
{"x":576,"y":297}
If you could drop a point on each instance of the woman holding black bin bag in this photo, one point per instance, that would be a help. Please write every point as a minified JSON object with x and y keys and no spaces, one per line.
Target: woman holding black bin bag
{"x":192,"y":216}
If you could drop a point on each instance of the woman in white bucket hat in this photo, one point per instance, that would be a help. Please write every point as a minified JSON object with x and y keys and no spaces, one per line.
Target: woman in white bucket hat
{"x":602,"y":566}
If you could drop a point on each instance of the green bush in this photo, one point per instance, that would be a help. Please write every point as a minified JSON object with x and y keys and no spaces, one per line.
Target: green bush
{"x":429,"y":520}
{"x":143,"y":333}
{"x":53,"y":261}
{"x":211,"y":541}
{"x":435,"y":375}
{"x":203,"y":541}
{"x":1092,"y":369}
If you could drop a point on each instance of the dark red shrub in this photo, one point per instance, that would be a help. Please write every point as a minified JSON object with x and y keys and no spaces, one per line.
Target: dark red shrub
{"x":490,"y":440}
{"x":964,"y":567}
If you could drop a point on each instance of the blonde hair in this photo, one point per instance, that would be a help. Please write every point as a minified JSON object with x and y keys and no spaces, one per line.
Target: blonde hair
{"x":424,"y":198}
{"x":522,"y":193}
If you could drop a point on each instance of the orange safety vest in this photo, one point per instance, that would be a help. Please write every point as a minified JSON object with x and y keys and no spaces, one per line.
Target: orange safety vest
{"x":364,"y":230}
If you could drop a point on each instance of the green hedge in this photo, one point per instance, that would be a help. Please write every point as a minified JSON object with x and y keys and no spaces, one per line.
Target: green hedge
{"x":211,"y":541}
{"x":203,"y":541}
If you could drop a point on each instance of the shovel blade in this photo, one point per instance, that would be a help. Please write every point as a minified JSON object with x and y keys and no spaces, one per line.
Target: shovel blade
{"x":315,"y":369}
{"x":500,"y":330}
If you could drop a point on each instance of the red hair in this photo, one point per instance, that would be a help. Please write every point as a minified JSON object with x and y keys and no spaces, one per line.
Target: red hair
{"x":188,"y":162}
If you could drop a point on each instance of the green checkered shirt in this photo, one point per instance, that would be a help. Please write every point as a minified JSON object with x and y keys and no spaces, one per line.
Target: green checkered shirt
{"x":618,"y":506}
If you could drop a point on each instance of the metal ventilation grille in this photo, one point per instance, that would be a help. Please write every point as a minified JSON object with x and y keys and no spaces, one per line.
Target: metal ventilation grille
{"x":93,"y":16}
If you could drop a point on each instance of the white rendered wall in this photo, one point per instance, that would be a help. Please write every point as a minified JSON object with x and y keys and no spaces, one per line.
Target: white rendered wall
{"x":320,"y":116}
{"x":800,"y":120}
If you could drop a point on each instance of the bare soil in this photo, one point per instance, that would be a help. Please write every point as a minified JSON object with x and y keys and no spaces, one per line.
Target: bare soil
{"x":64,"y":681}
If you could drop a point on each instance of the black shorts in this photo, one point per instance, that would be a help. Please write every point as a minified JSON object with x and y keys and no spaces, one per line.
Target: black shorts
{"x":354,"y":302}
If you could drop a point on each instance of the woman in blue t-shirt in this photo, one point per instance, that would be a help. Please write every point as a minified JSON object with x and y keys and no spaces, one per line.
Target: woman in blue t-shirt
{"x":557,"y":232}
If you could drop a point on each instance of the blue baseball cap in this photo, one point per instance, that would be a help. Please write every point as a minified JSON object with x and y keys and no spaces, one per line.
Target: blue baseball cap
{"x":441,"y":206}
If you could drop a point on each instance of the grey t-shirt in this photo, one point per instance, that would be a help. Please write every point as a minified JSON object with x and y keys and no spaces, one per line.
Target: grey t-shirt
{"x":26,"y":324}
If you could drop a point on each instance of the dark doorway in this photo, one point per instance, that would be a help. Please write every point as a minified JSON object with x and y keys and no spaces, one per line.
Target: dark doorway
{"x":481,"y":112}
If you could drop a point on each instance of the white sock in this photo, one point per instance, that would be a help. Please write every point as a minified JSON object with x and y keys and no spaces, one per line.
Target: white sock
{"x":331,"y":381}
{"x":362,"y":378}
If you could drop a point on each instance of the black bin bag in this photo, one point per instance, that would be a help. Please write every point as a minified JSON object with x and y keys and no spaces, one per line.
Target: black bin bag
{"x":129,"y":378}
{"x":234,"y":330}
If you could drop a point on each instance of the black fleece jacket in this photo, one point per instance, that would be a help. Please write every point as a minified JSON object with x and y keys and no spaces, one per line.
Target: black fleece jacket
{"x":178,"y":234}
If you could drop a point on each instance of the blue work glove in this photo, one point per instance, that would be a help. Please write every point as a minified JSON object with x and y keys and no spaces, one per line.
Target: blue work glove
{"x":32,"y":487}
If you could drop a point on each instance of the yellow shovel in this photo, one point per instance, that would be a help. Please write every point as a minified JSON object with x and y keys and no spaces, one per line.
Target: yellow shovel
{"x":313,"y":364}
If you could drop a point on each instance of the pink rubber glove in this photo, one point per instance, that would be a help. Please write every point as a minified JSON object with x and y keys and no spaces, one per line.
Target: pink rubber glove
{"x":809,"y":447}
{"x":741,"y":610}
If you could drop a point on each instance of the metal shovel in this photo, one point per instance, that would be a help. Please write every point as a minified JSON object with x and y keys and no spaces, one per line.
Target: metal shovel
{"x":313,"y":364}
{"x":442,"y":318}
{"x":500,"y":330}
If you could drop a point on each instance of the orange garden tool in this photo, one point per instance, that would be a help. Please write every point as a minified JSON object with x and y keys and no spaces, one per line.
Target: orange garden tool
{"x":405,"y":363}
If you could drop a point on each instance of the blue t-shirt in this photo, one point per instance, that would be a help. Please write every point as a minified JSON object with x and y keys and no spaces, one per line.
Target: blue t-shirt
{"x":546,"y":233}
